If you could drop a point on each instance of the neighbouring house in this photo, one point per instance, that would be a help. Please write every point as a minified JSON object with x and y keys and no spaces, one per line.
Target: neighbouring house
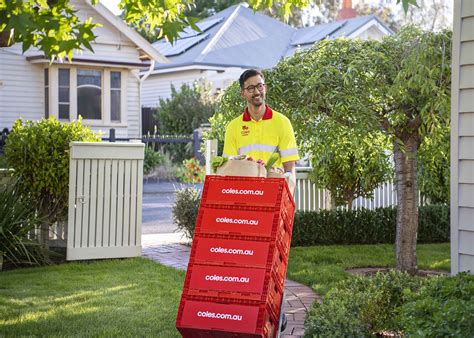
{"x":462,"y":139}
{"x":236,"y":39}
{"x":103,"y":87}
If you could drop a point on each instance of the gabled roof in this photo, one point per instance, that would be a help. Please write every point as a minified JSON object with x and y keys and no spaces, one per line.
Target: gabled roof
{"x":235,"y":37}
{"x":238,"y":37}
{"x":128,"y":32}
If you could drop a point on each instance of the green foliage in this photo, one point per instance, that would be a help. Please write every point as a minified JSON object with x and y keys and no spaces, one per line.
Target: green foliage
{"x":205,"y":8}
{"x":152,"y":160}
{"x":18,"y":218}
{"x":434,"y":224}
{"x":434,"y":166}
{"x":361,"y":306}
{"x":347,"y":163}
{"x":3,"y":162}
{"x":444,"y":307}
{"x":191,"y":172}
{"x":185,"y":111}
{"x":229,"y":106}
{"x":185,"y":210}
{"x":399,"y":86}
{"x":51,"y":26}
{"x":366,"y":226}
{"x":218,"y":161}
{"x":39,"y":153}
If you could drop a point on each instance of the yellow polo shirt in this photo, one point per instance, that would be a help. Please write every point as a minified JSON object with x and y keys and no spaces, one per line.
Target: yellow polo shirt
{"x":259,"y":139}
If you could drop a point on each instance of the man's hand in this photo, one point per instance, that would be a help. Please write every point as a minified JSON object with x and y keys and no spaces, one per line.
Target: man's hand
{"x":290,"y":168}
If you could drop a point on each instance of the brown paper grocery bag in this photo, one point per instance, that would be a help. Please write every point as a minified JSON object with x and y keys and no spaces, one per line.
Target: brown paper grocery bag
{"x":242,"y":168}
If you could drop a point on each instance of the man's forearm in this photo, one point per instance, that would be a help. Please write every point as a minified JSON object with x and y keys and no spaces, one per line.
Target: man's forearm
{"x":290,"y":167}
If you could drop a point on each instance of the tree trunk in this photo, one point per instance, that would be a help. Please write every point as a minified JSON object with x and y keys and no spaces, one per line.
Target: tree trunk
{"x":407,"y":209}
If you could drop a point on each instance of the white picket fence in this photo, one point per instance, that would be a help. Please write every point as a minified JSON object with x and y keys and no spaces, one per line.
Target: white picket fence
{"x":308,"y":197}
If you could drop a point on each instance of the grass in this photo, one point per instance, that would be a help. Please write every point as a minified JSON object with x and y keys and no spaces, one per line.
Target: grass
{"x":321,"y":267}
{"x":133,"y":297}
{"x":137,"y":297}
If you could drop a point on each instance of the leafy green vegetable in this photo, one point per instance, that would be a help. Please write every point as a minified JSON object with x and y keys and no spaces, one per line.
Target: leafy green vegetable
{"x":272,"y":160}
{"x":217,"y":162}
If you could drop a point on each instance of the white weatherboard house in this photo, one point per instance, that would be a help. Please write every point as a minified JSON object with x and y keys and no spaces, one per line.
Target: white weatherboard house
{"x":236,"y":39}
{"x":462,"y":138}
{"x":103,"y":87}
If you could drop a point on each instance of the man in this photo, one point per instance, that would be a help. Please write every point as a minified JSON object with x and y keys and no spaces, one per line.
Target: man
{"x":260,"y":131}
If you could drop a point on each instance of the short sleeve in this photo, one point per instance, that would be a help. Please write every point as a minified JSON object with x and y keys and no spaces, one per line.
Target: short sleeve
{"x":287,"y":144}
{"x":230,"y":145}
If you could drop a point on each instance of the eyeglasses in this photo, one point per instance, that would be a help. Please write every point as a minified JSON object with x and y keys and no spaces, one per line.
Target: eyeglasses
{"x":251,"y":88}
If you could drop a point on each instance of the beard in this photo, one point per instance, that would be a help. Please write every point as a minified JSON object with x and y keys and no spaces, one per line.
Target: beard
{"x":258,"y":100}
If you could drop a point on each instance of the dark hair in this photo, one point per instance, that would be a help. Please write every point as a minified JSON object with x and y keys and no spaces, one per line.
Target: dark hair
{"x":248,"y":74}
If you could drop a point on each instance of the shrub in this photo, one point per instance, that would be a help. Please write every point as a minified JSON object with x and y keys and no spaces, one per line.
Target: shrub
{"x":39,"y":153}
{"x":366,"y":226}
{"x":152,"y":159}
{"x":434,"y":224}
{"x":442,"y":308}
{"x":185,"y":111}
{"x":191,"y":172}
{"x":185,"y":210}
{"x":17,"y":219}
{"x":3,"y":162}
{"x":361,"y":306}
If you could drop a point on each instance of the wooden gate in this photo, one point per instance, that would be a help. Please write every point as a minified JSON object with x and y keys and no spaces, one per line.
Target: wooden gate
{"x":105,"y":200}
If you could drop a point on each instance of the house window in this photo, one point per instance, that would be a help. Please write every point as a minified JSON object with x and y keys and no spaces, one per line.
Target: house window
{"x":64,"y":97}
{"x":89,"y":94}
{"x":95,"y":94}
{"x":115,"y":95}
{"x":46,"y":92}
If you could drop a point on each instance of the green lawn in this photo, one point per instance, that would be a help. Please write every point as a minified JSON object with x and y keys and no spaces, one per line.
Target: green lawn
{"x":132,"y":297}
{"x":321,"y":267}
{"x":138,"y":297}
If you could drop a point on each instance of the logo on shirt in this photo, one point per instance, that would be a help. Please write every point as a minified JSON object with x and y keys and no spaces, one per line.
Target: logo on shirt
{"x":245,"y":131}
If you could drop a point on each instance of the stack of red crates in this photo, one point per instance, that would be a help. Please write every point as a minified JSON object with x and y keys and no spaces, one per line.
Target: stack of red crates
{"x":236,"y":272}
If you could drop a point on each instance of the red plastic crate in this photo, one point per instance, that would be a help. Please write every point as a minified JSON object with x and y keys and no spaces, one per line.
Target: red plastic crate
{"x":229,"y":251}
{"x":236,"y":251}
{"x":224,"y":282}
{"x":221,"y":221}
{"x":199,"y":318}
{"x":275,"y":261}
{"x":246,"y":191}
{"x":238,"y":221}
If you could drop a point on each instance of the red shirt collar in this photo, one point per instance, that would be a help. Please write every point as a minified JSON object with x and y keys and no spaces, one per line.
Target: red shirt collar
{"x":266,"y":116}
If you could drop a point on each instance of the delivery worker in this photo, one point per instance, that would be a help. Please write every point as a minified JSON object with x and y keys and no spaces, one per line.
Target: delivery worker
{"x":260,"y":131}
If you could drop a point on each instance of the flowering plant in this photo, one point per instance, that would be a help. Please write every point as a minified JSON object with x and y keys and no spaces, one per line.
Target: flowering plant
{"x":191,"y":171}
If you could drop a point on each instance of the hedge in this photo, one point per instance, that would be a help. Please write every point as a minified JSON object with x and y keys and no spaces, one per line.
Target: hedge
{"x":395,"y":303}
{"x":366,"y":226}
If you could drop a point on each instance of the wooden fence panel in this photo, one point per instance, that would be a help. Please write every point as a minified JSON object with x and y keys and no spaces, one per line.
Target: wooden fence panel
{"x":105,"y":187}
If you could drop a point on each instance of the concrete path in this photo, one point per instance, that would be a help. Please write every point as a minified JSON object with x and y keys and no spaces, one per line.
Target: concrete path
{"x":169,"y":250}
